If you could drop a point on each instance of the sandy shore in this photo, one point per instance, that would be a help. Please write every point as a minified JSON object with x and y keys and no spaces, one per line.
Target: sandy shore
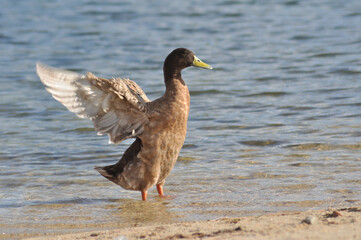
{"x":340,"y":223}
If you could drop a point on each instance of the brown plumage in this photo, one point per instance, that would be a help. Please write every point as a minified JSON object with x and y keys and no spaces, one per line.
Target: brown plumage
{"x":120,"y":108}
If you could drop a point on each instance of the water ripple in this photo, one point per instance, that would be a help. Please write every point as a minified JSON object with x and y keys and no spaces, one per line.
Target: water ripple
{"x":274,"y":126}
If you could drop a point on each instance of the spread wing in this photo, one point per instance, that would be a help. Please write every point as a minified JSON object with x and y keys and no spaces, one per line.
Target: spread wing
{"x":117,"y":107}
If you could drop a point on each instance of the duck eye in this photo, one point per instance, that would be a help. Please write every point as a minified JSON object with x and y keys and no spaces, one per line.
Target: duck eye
{"x":198,"y":60}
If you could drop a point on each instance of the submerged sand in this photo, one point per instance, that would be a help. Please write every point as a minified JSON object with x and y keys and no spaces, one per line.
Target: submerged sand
{"x":340,"y":223}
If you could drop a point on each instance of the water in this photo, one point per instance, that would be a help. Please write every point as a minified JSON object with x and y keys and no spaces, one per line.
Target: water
{"x":274,"y":127}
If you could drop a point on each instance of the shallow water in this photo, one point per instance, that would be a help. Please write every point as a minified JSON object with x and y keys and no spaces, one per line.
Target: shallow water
{"x":274,"y":127}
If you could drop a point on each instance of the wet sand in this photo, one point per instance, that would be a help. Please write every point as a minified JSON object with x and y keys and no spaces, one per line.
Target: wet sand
{"x":340,"y":223}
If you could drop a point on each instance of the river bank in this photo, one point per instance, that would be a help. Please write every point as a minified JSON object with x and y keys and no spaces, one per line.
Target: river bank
{"x":340,"y":223}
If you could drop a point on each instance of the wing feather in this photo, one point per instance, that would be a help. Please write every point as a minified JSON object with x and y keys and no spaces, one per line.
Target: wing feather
{"x":117,"y":107}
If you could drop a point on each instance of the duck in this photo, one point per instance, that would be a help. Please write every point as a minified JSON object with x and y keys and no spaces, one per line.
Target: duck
{"x":119,"y":108}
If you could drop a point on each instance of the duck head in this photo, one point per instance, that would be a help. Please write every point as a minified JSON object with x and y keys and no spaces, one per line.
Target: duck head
{"x":181,"y":58}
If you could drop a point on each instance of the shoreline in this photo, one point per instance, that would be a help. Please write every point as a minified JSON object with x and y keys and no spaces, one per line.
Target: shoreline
{"x":333,"y":223}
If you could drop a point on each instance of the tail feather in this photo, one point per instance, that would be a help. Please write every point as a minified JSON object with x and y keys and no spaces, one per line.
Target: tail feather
{"x":110,"y":172}
{"x":103,"y":171}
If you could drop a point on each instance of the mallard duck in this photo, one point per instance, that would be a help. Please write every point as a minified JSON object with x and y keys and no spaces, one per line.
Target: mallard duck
{"x":119,"y":108}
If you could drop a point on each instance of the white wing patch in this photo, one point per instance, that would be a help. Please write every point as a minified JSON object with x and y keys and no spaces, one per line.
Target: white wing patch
{"x":117,"y":107}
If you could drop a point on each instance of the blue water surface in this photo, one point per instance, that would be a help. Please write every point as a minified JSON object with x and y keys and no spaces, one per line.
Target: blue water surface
{"x":275,"y":126}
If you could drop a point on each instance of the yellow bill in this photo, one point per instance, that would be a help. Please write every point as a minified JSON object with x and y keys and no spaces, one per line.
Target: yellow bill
{"x":198,"y":63}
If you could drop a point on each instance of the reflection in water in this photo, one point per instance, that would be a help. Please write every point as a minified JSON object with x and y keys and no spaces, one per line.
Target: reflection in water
{"x":144,"y":212}
{"x":87,"y":215}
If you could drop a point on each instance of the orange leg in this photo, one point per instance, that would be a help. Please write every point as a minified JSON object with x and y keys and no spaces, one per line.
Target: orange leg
{"x":160,"y":189}
{"x":144,"y":195}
